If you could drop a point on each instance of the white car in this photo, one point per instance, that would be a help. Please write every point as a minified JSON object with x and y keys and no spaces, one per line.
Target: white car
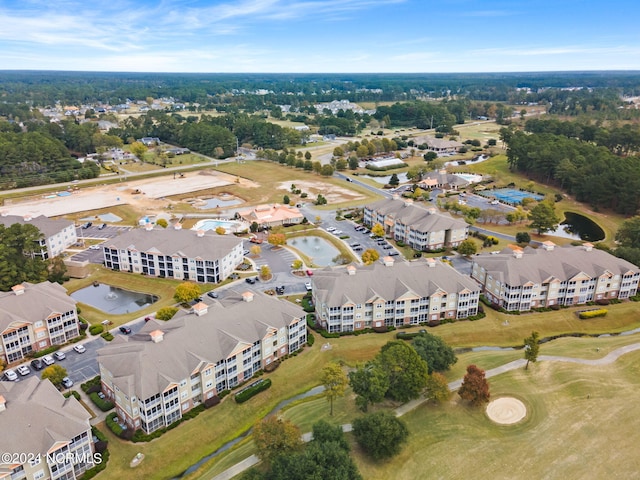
{"x":308,"y":286}
{"x":79,"y":348}
{"x":67,"y":382}
{"x":10,"y":375}
{"x":494,"y":202}
{"x":24,"y":370}
{"x":330,"y":229}
{"x":48,"y":360}
{"x":59,"y":355}
{"x":95,"y":247}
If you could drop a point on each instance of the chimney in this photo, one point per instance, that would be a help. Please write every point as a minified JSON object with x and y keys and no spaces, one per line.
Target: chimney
{"x":387,"y":261}
{"x":200,"y":233}
{"x":27,"y":218}
{"x":548,"y":245}
{"x":18,"y":289}
{"x":177,"y":226}
{"x":351,"y":270}
{"x":408,"y":202}
{"x":517,"y":253}
{"x":431,"y":210}
{"x":587,"y":246}
{"x":247,"y":296}
{"x":3,"y":404}
{"x":157,"y":336}
{"x":200,"y":309}
{"x":431,"y":262}
{"x":395,"y":196}
{"x":148,"y":227}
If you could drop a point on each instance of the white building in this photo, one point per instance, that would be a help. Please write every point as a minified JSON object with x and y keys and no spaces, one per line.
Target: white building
{"x":58,"y":235}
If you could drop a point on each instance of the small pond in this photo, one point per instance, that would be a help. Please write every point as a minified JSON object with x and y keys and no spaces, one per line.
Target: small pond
{"x":318,"y":249}
{"x":113,"y":300}
{"x":217,"y":203}
{"x":385,"y":180}
{"x":579,"y":227}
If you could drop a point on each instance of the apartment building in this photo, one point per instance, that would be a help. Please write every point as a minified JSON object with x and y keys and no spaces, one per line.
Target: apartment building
{"x":522,"y":279}
{"x":420,"y":228}
{"x":45,"y":436}
{"x":166,"y":369}
{"x":174,"y":253}
{"x":34,"y":317}
{"x":57,"y":235}
{"x":392,"y":294}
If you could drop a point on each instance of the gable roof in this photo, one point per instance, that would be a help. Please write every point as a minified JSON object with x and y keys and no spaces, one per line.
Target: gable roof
{"x":47,"y":226}
{"x":406,"y":213}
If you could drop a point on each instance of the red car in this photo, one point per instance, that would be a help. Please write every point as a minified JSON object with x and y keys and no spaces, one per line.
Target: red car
{"x":309,"y":273}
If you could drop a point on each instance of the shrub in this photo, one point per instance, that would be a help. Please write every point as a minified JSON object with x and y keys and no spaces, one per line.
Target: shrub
{"x":212,"y":402}
{"x":603,"y":301}
{"x":46,"y":351}
{"x":95,"y":381}
{"x":102,"y":404}
{"x":96,"y":329}
{"x":592,"y":313}
{"x":113,"y":424}
{"x":310,"y":339}
{"x":107,"y":336}
{"x":253,"y":389}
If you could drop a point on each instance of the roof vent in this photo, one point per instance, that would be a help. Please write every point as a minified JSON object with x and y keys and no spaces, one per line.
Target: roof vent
{"x":587,"y":246}
{"x":18,"y":289}
{"x":395,"y":196}
{"x":148,"y":227}
{"x":157,"y":336}
{"x":200,"y":233}
{"x":200,"y":309}
{"x":408,"y":202}
{"x":431,"y":210}
{"x":351,"y":270}
{"x":27,"y":218}
{"x":247,"y":296}
{"x":517,"y":253}
{"x":177,"y":226}
{"x":387,"y":261}
{"x":548,"y":245}
{"x":431,"y":262}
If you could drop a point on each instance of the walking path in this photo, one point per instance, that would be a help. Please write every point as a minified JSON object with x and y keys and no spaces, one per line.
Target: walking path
{"x":453,"y":386}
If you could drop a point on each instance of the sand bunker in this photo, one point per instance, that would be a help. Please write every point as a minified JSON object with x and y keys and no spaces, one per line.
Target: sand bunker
{"x":506,"y":410}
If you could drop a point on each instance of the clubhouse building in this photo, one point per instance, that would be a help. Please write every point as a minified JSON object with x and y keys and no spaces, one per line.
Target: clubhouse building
{"x":521,"y":279}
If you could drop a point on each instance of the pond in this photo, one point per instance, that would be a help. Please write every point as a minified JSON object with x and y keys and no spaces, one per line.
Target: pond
{"x":579,"y":227}
{"x":402,"y":177}
{"x":113,"y":300}
{"x":318,"y":249}
{"x":217,"y":203}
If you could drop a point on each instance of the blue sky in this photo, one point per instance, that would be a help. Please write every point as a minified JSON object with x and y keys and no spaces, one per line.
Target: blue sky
{"x":320,"y":35}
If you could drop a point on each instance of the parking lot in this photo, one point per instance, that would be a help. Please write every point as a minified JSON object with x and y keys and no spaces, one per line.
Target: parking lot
{"x":94,"y":255}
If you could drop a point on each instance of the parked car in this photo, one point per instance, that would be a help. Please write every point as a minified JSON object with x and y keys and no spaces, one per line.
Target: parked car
{"x":67,"y":382}
{"x":357,"y":249}
{"x":146,"y":319}
{"x":124,"y":329}
{"x":308,"y":286}
{"x":10,"y":375}
{"x":37,"y":364}
{"x":95,"y":247}
{"x":330,"y":229}
{"x":355,"y":244}
{"x":394,"y":253}
{"x":86,"y":225}
{"x":24,"y":370}
{"x":48,"y":360}
{"x":250,"y":280}
{"x":310,"y":273}
{"x":212,"y":294}
{"x":60,"y":356}
{"x":102,"y":226}
{"x":246,"y":252}
{"x":337,"y":232}
{"x":280,"y":290}
{"x":79,"y":348}
{"x":387,"y":247}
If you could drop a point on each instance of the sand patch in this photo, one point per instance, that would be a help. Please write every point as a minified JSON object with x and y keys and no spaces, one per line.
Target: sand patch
{"x":506,"y":410}
{"x":333,"y":193}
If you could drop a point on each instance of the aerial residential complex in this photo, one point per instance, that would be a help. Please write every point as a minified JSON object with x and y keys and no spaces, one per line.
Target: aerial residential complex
{"x":34,"y":317}
{"x":57,"y":234}
{"x":420,"y":228}
{"x":167,"y":368}
{"x":47,"y":435}
{"x":174,"y":253}
{"x":392,"y":294}
{"x":522,"y":279}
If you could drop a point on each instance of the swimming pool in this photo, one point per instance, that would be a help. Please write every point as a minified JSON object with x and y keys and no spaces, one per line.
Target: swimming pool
{"x":469,"y":177}
{"x":510,"y":195}
{"x":230,"y":226}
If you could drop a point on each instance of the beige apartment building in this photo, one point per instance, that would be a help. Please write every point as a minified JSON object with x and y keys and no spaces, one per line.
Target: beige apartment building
{"x":162,"y":372}
{"x":392,"y":294}
{"x":522,"y":279}
{"x":174,"y":253}
{"x":34,"y":317}
{"x":420,"y":228}
{"x":57,"y":235}
{"x":44,"y":435}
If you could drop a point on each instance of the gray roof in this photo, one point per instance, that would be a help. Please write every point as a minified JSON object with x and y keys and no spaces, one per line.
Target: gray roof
{"x":140,"y":366}
{"x":38,"y":301}
{"x":169,"y":241}
{"x":335,"y":287}
{"x":445,"y":178}
{"x":422,"y":219}
{"x":37,"y":416}
{"x":538,"y":265}
{"x":47,"y":226}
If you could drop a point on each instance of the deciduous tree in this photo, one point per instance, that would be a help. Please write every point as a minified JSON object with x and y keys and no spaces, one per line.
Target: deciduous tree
{"x":277,"y":239}
{"x":370,"y":384}
{"x":433,"y":350}
{"x":335,"y":382}
{"x":256,"y":250}
{"x":467,"y":247}
{"x":380,"y":434}
{"x":407,"y":372}
{"x":531,"y":348}
{"x":54,"y":373}
{"x":474,"y":388}
{"x":378,"y":230}
{"x":544,"y":217}
{"x":166,"y":313}
{"x":186,"y":291}
{"x":275,"y":436}
{"x":437,"y":388}
{"x":369,"y":256}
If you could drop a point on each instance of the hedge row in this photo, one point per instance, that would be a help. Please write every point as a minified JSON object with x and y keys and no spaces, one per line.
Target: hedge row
{"x":96,"y":329}
{"x":46,"y":351}
{"x":94,"y":382}
{"x":102,"y":404}
{"x":73,"y":393}
{"x":107,"y":336}
{"x":101,"y":447}
{"x":601,"y":312}
{"x":252,"y":390}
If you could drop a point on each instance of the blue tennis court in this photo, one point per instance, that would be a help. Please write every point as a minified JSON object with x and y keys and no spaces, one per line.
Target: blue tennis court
{"x":510,"y":195}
